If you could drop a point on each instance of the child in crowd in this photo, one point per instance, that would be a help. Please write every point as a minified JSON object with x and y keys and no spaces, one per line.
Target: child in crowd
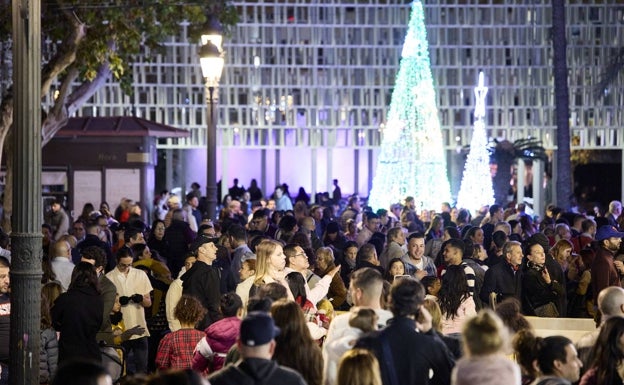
{"x":396,"y":267}
{"x":432,"y":286}
{"x":210,"y":352}
{"x":362,"y":320}
{"x":48,"y":356}
{"x":175,"y":350}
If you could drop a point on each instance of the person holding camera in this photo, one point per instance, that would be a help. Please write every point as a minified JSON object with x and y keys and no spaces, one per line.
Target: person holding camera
{"x":540,"y":292}
{"x":133,"y":287}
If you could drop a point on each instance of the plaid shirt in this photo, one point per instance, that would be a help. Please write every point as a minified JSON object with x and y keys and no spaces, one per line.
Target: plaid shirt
{"x":175,"y":350}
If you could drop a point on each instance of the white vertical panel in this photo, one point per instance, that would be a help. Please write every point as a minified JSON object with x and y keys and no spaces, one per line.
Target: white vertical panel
{"x":87,"y":189}
{"x":122,"y":183}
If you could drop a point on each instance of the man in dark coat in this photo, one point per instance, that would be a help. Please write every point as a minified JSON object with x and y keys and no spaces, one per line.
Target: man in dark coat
{"x":505,"y":278}
{"x":178,"y":236}
{"x":203,"y":280}
{"x":407,"y":355}
{"x":92,"y":239}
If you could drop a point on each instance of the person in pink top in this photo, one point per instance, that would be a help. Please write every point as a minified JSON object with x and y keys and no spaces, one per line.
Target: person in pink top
{"x":219,"y":337}
{"x":455,"y":300}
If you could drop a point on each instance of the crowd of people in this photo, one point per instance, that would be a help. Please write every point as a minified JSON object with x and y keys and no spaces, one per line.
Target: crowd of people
{"x":283,"y":290}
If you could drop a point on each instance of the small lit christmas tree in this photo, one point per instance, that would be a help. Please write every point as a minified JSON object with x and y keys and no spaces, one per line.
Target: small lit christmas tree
{"x":476,"y":186}
{"x":412,"y":159}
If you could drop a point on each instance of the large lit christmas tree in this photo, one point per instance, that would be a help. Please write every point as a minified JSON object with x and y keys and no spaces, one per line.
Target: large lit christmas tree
{"x":476,"y":186}
{"x":412,"y":159}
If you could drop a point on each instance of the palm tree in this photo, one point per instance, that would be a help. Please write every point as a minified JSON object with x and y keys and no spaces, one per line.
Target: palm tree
{"x":504,"y":154}
{"x":562,"y":105}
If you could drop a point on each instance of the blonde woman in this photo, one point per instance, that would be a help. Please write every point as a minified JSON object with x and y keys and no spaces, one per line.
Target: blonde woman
{"x":562,"y":252}
{"x":270,"y":264}
{"x":359,"y":367}
{"x":486,"y":340}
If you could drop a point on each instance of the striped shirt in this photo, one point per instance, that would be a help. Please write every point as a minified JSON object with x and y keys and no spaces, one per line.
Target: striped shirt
{"x":470,"y":277}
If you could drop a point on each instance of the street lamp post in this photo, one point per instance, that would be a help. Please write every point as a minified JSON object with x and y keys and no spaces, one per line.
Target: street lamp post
{"x":211,"y":60}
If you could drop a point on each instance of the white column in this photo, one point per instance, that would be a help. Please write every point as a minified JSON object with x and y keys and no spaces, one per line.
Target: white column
{"x":538,"y":188}
{"x":520,"y":175}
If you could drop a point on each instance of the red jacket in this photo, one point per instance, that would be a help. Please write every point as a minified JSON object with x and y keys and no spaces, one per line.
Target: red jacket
{"x":603,"y":272}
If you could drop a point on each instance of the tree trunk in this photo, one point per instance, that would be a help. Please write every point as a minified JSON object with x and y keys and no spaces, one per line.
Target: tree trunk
{"x":8,"y":187}
{"x":562,"y":105}
{"x":501,"y":180}
{"x":6,"y":119}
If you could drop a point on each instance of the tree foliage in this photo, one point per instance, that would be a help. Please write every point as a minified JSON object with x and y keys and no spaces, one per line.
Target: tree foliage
{"x":85,"y":43}
{"x":114,"y":33}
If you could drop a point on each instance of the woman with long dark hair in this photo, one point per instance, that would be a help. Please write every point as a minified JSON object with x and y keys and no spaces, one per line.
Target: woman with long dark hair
{"x":156,"y":238}
{"x":456,"y":302}
{"x":607,"y":355}
{"x":77,"y":315}
{"x":540,"y":292}
{"x":295,"y":347}
{"x":436,"y":228}
{"x":475,"y":234}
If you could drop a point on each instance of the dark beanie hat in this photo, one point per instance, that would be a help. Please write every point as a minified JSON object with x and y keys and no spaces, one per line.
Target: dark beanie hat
{"x":332,"y":228}
{"x":540,"y":239}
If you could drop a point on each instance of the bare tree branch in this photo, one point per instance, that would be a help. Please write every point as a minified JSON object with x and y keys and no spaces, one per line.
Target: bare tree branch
{"x":71,"y":103}
{"x":66,"y":54}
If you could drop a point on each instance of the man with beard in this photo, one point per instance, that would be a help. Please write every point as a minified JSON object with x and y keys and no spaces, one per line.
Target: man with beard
{"x":603,"y":270}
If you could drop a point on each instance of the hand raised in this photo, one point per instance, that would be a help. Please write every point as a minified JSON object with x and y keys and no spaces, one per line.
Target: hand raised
{"x":334,"y":271}
{"x":546,"y":276}
{"x":424,"y":321}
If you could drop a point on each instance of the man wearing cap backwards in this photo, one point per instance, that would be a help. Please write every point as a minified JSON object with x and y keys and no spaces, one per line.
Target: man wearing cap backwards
{"x":256,"y":344}
{"x":603,"y":270}
{"x":202,"y":281}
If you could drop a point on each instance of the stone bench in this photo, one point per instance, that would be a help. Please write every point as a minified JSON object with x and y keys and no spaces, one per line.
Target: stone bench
{"x":573,"y":328}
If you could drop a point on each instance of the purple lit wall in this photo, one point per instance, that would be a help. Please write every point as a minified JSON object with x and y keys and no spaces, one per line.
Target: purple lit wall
{"x":312,"y":169}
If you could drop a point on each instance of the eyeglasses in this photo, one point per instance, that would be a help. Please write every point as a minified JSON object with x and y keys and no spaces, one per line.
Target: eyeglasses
{"x":124,"y":265}
{"x":301,"y":255}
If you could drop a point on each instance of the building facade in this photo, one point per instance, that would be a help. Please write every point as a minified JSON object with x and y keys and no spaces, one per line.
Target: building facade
{"x":307,"y":85}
